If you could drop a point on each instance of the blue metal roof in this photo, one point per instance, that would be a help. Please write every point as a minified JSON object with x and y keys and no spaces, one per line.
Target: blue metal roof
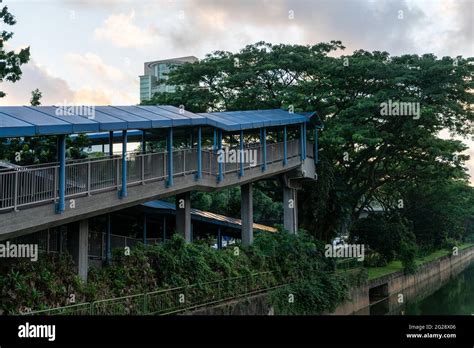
{"x":50,"y":120}
{"x":240,"y":120}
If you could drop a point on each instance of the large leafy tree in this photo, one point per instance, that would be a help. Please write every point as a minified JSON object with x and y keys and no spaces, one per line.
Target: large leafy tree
{"x":10,"y":62}
{"x":362,"y":150}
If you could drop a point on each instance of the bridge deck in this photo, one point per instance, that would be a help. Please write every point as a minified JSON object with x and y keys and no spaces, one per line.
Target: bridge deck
{"x":28,"y":194}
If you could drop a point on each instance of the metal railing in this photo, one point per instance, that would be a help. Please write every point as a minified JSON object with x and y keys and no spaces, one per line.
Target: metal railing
{"x":37,"y":184}
{"x":175,"y":300}
{"x":55,"y":241}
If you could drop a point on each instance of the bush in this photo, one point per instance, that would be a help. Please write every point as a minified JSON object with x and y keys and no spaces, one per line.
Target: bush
{"x":299,"y":258}
{"x":408,"y":253}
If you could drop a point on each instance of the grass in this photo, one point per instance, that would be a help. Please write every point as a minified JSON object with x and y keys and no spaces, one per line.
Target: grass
{"x":394,"y":266}
{"x":391,"y":267}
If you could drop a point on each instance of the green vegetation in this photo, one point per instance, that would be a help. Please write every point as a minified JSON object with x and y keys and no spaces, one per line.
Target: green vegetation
{"x":397,"y":265}
{"x":50,"y":282}
{"x":367,"y":159}
{"x":10,"y":61}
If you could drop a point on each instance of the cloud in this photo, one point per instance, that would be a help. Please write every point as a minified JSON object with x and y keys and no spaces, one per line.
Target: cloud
{"x":93,"y":75}
{"x":120,"y":30}
{"x":54,"y":90}
{"x":396,"y":26}
{"x":92,"y":65}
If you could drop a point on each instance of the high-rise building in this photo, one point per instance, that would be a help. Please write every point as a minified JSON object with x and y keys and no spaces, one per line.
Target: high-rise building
{"x":154,"y":74}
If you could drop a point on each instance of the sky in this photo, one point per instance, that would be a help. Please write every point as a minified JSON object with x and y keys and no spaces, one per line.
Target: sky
{"x":92,"y":51}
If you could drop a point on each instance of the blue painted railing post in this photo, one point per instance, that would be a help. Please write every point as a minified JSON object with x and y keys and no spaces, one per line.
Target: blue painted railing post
{"x":241,"y":173}
{"x":285,"y":150}
{"x":220,"y":175}
{"x":169,"y":145}
{"x":199,"y":155}
{"x":304,"y":137}
{"x":214,"y":144}
{"x":302,"y":142}
{"x":111,"y":143}
{"x":62,"y":173}
{"x":263,"y":141}
{"x":144,"y":229}
{"x":123,"y":192}
{"x":316,"y":147}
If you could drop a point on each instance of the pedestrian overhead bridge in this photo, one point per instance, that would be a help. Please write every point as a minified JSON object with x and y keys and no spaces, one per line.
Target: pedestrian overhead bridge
{"x":36,"y":197}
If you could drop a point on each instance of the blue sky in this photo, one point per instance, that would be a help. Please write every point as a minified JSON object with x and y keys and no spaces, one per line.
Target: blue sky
{"x":92,"y":51}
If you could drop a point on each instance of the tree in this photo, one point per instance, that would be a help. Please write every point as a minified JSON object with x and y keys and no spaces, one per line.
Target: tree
{"x":36,"y":97}
{"x":10,"y":62}
{"x":363,"y":149}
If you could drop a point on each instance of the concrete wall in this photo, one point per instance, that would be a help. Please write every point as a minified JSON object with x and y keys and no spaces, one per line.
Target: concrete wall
{"x":428,"y":278}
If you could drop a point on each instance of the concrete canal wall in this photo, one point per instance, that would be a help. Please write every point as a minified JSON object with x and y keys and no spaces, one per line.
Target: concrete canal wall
{"x":398,"y":288}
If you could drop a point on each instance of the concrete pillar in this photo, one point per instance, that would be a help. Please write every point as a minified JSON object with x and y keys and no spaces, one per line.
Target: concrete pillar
{"x":246,"y":214}
{"x":219,"y":238}
{"x":290,"y":209}
{"x":78,"y":247}
{"x":108,"y":250}
{"x":183,"y":215}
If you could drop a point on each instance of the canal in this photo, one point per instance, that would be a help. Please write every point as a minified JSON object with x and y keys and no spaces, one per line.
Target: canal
{"x":455,"y":297}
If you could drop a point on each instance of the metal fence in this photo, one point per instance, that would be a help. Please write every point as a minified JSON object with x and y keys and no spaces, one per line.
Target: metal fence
{"x":55,"y":241}
{"x":175,"y":300}
{"x":23,"y":186}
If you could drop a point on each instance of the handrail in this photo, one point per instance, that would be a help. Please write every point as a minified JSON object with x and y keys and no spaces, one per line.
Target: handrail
{"x":35,"y":184}
{"x":173,"y":300}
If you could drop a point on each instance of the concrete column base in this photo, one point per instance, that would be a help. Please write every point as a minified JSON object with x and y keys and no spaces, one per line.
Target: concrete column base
{"x":78,"y":247}
{"x":247,"y":214}
{"x":183,"y":215}
{"x":290,"y":209}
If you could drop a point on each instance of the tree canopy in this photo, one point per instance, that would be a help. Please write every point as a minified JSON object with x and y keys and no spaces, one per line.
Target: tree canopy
{"x":367,"y":151}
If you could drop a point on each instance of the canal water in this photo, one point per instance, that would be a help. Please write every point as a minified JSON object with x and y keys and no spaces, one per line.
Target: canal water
{"x":455,"y":297}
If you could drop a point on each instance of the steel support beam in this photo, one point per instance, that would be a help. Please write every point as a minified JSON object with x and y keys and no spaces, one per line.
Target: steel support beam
{"x":143,"y":141}
{"x":123,"y":192}
{"x":199,"y":155}
{"x":220,"y":175}
{"x":316,"y":145}
{"x":241,"y":141}
{"x":285,"y":147}
{"x":61,"y":173}
{"x":169,"y":147}
{"x":263,"y":142}
{"x":111,"y":143}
